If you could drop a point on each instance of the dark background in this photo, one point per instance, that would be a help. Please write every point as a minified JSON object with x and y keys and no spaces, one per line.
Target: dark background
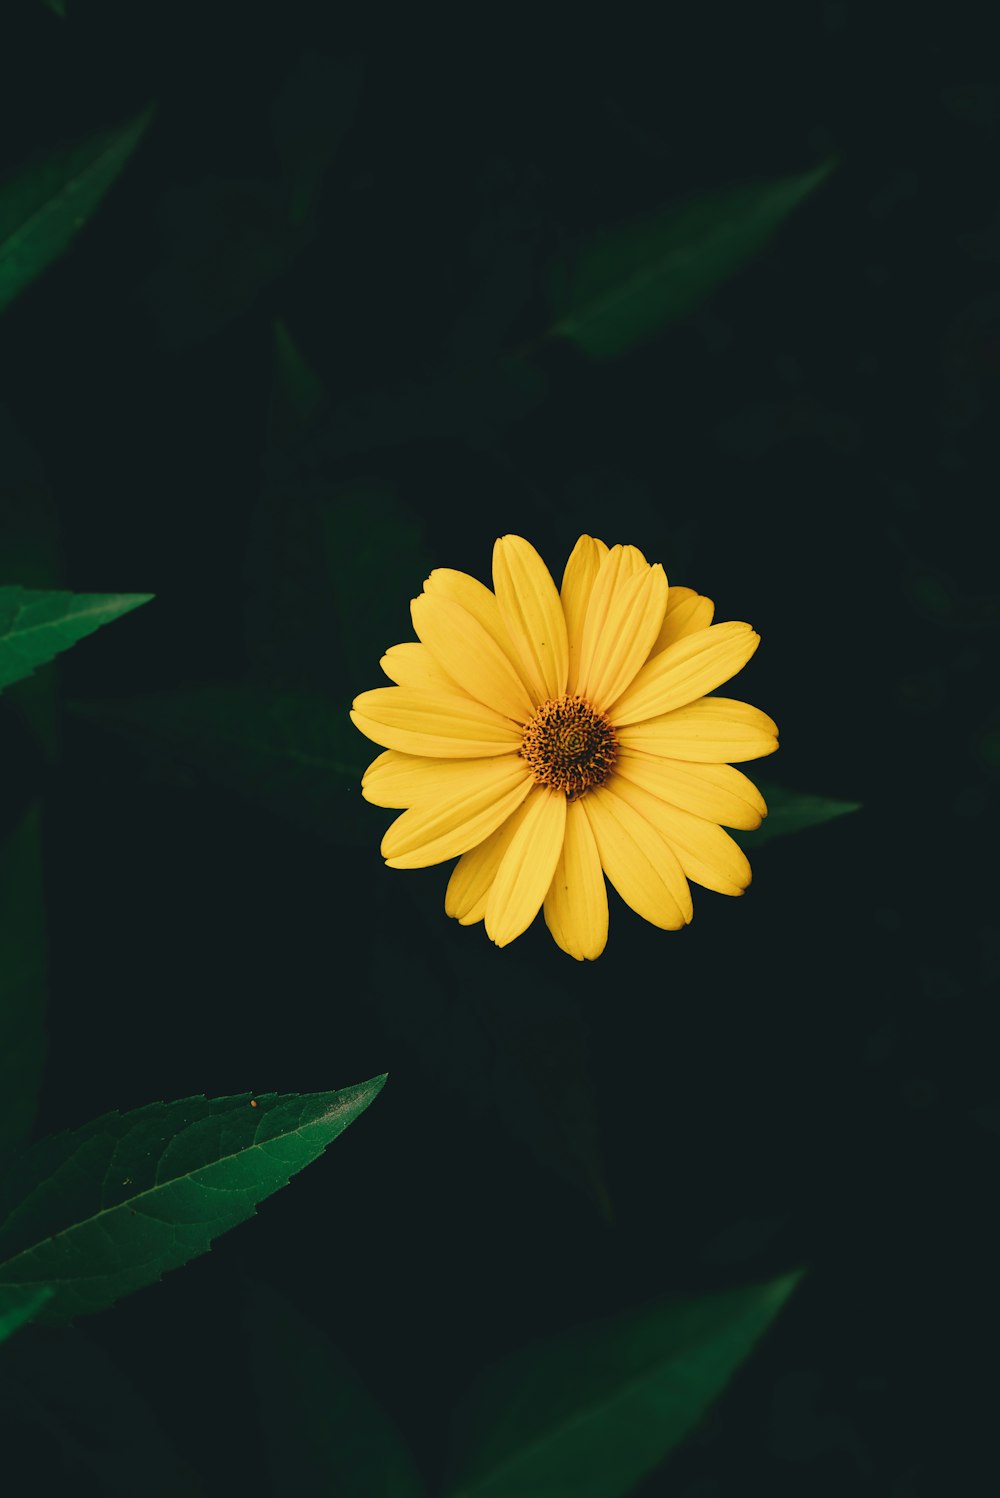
{"x":804,"y":1076}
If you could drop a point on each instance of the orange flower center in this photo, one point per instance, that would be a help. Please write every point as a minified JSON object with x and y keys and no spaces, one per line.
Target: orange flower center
{"x":569,"y":746}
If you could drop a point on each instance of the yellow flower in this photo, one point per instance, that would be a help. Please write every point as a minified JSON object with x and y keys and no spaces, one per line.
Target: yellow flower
{"x":552,"y":739}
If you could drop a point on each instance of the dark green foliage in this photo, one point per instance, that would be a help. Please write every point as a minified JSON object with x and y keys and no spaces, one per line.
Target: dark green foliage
{"x":588,"y":1414}
{"x":22,"y":979}
{"x":792,"y":811}
{"x":104,"y":1210}
{"x":321,"y":1426}
{"x":35,"y":626}
{"x":19,"y":1304}
{"x":295,"y":753}
{"x":43,"y":205}
{"x":626,"y":284}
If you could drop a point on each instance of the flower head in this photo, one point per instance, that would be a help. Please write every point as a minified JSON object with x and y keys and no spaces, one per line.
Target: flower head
{"x":548,"y":739}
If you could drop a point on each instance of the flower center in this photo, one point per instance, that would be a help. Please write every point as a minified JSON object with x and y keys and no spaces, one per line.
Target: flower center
{"x":569,"y":746}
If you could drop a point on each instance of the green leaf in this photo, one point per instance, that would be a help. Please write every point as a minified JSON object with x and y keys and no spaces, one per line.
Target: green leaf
{"x":103,"y":1210}
{"x":22,"y":980}
{"x":45,"y":203}
{"x":792,"y":811}
{"x":58,"y":6}
{"x":323,"y":1430}
{"x":19,"y":1304}
{"x":310,"y":115}
{"x":295,"y":753}
{"x":298,"y":395}
{"x":508,"y":1041}
{"x":35,"y":626}
{"x":626,"y":284}
{"x":375,"y":561}
{"x":70,"y":1410}
{"x":586,"y":1415}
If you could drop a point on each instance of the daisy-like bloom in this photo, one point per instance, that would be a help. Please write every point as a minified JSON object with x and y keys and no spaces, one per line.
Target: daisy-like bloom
{"x":549,"y":739}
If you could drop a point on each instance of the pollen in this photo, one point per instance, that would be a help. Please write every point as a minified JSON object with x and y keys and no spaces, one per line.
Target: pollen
{"x":569,"y":746}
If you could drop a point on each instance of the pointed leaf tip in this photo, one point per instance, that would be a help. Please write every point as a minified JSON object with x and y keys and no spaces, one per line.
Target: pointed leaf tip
{"x":106,"y":1209}
{"x":37,"y":625}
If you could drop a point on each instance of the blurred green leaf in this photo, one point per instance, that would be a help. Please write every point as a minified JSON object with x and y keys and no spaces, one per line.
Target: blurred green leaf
{"x":586,"y":1415}
{"x":626,"y":284}
{"x":298,"y":394}
{"x":310,"y":116}
{"x":322,"y":1428}
{"x":470,"y":405}
{"x":35,"y":626}
{"x":792,"y":811}
{"x":509,"y":1042}
{"x":67,"y":1397}
{"x":45,"y":203}
{"x":225,"y":241}
{"x":376,"y":563}
{"x":295,"y":753}
{"x":103,"y":1210}
{"x":58,"y":6}
{"x":22,"y":980}
{"x":19,"y":1304}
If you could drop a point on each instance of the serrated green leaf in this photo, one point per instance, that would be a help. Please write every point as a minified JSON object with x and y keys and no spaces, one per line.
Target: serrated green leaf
{"x":35,"y":626}
{"x":294,"y":753}
{"x":44,"y":204}
{"x":103,"y":1210}
{"x":626,"y":284}
{"x":588,"y":1414}
{"x":324,"y":1432}
{"x":19,"y":1304}
{"x":792,"y":811}
{"x":23,"y":979}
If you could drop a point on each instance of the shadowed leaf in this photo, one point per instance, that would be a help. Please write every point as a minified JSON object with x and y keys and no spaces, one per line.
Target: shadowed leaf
{"x":19,"y":1304}
{"x":35,"y":626}
{"x":470,"y":405}
{"x":76,"y":1413}
{"x":375,"y":561}
{"x":292,"y":752}
{"x":626,"y":284}
{"x":586,"y":1415}
{"x":103,"y":1210}
{"x":298,"y":393}
{"x":323,"y":1430}
{"x":792,"y":811}
{"x":514,"y":1045}
{"x":44,"y":204}
{"x":22,"y":980}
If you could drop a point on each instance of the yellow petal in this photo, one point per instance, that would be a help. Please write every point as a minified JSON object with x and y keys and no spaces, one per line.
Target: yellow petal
{"x":446,"y":825}
{"x":398,"y":780}
{"x":444,"y":725}
{"x":717,"y":792}
{"x":687,"y":611}
{"x":527,"y":868}
{"x":631,"y":625}
{"x":473,"y":875}
{"x":714,"y":730}
{"x":477,"y":600}
{"x":578,"y":580}
{"x":532,"y":613}
{"x":617,"y":566}
{"x":412,"y":665}
{"x":685,"y":671}
{"x":705,"y":853}
{"x":641,"y":866}
{"x":576,"y":906}
{"x":465,"y":650}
